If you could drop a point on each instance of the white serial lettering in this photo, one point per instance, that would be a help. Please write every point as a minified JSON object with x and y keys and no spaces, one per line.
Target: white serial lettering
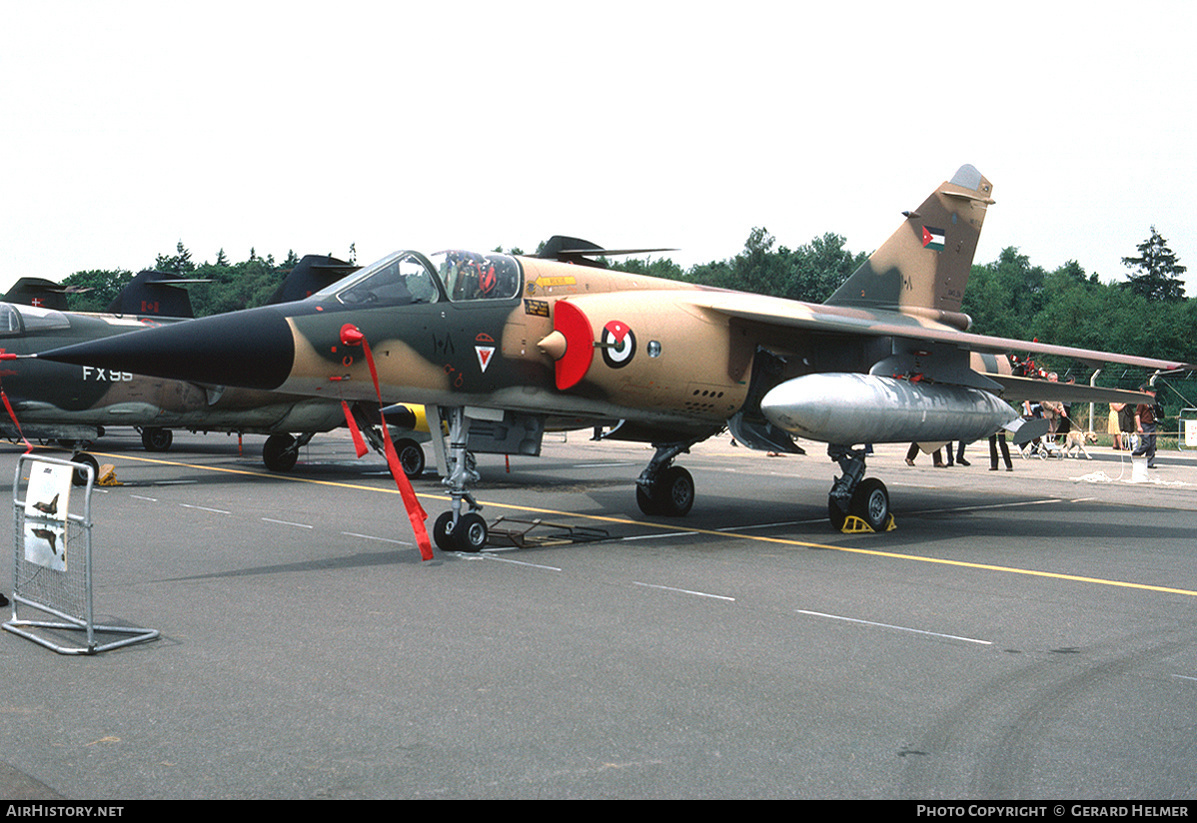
{"x":106,"y":375}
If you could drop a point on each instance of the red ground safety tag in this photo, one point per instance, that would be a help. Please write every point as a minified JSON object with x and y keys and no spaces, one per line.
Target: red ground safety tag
{"x":352,"y":336}
{"x":12,"y":415}
{"x":359,"y":442}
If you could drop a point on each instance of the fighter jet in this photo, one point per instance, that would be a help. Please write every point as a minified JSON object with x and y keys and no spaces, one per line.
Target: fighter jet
{"x":74,"y":405}
{"x":503,"y":347}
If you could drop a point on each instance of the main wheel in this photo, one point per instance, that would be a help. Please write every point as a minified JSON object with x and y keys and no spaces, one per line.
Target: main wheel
{"x":442,"y":532}
{"x":870,"y":502}
{"x":79,"y":476}
{"x":674,"y":492}
{"x":411,"y":457}
{"x":670,"y":495}
{"x":280,"y":453}
{"x":836,"y":515}
{"x":645,"y":501}
{"x":471,"y":532}
{"x":157,"y":440}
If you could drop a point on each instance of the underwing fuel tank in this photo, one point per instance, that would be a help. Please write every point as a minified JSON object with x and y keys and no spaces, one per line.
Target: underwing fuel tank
{"x":849,"y":408}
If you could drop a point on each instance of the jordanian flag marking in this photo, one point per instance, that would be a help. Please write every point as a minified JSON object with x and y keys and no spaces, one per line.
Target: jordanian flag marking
{"x":933,"y":238}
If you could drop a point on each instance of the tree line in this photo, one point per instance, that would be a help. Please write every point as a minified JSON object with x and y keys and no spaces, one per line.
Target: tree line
{"x":227,"y":286}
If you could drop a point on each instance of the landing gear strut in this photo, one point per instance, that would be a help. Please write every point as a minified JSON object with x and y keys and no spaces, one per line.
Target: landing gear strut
{"x":854,"y":494}
{"x":662,"y":488}
{"x":456,"y":530}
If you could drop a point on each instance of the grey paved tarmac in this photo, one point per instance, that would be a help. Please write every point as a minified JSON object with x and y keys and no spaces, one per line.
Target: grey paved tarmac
{"x":1027,"y":635}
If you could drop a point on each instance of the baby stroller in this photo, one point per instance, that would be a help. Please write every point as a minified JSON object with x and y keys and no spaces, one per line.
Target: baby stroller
{"x":1041,"y":447}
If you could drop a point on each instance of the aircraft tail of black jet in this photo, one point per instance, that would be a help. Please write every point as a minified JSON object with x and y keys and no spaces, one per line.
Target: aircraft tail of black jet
{"x":312,"y":273}
{"x":155,"y":293}
{"x":41,"y":293}
{"x":924,"y":266}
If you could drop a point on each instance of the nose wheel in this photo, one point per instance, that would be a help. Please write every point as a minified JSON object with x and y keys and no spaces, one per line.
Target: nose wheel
{"x":469,"y":534}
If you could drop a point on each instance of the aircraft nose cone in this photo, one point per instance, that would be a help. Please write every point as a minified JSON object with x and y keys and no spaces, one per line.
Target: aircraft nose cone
{"x":252,"y":349}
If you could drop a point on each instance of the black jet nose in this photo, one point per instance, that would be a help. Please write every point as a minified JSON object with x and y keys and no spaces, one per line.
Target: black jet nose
{"x":252,"y":349}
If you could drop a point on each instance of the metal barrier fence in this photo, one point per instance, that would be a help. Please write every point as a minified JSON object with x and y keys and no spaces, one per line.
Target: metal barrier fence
{"x":52,"y":560}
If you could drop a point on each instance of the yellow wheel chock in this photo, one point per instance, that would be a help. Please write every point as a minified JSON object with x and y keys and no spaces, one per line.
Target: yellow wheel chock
{"x":855,"y":525}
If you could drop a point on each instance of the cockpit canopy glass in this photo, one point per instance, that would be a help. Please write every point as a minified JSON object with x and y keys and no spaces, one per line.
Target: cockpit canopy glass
{"x":395,"y":280}
{"x":468,"y":275}
{"x":16,"y":319}
{"x":408,"y":277}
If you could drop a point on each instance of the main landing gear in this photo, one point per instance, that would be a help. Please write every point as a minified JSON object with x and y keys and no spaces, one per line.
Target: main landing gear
{"x":155,"y":439}
{"x":282,"y":450}
{"x":409,"y":452}
{"x":411,"y":457}
{"x":662,"y":488}
{"x":855,"y":496}
{"x":456,"y":530}
{"x":79,"y":476}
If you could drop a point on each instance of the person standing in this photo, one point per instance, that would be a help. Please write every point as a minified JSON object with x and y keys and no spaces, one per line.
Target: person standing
{"x":960,"y":454}
{"x":1145,"y":421}
{"x":1112,"y":427}
{"x":1052,"y":411}
{"x":1126,"y":423}
{"x":994,"y":441}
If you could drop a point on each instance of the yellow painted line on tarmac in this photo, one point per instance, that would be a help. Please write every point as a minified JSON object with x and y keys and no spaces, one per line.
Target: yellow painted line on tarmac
{"x":780,"y":541}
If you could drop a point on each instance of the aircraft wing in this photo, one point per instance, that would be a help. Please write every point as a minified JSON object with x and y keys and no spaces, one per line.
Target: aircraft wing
{"x":1017,"y":389}
{"x":837,"y":320}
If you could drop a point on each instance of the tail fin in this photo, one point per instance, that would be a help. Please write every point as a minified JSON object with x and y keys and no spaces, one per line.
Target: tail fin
{"x":154,"y":293}
{"x":309,"y":276}
{"x":924,"y":266}
{"x":39,"y":292}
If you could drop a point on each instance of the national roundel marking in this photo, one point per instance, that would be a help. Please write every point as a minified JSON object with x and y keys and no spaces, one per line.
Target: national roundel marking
{"x":619,"y":344}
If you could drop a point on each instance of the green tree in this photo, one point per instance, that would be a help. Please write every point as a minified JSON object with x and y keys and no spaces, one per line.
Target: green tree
{"x":818,"y":268}
{"x":1003,"y":296}
{"x":102,"y":287}
{"x":178,"y":263}
{"x":662,"y":267}
{"x":1158,"y":269}
{"x":757,"y":269}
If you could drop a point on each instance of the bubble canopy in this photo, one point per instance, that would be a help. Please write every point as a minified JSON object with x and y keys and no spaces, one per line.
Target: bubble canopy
{"x":407,"y":277}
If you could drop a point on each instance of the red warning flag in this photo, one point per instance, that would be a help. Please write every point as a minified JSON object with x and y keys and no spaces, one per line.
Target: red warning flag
{"x":352,"y":336}
{"x":359,"y":443}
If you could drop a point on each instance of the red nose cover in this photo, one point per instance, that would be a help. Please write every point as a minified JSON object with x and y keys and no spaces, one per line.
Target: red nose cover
{"x":579,"y":344}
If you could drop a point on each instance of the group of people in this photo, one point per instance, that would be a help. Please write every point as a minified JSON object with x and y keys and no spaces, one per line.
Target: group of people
{"x":937,"y":455}
{"x":1125,"y":419}
{"x":996,"y":441}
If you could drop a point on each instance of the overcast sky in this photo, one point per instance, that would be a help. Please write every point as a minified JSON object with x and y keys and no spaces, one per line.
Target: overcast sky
{"x":126,"y":127}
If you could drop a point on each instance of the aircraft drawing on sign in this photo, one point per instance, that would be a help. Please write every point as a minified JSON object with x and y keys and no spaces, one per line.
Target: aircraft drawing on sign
{"x":887,"y":358}
{"x":74,"y":404}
